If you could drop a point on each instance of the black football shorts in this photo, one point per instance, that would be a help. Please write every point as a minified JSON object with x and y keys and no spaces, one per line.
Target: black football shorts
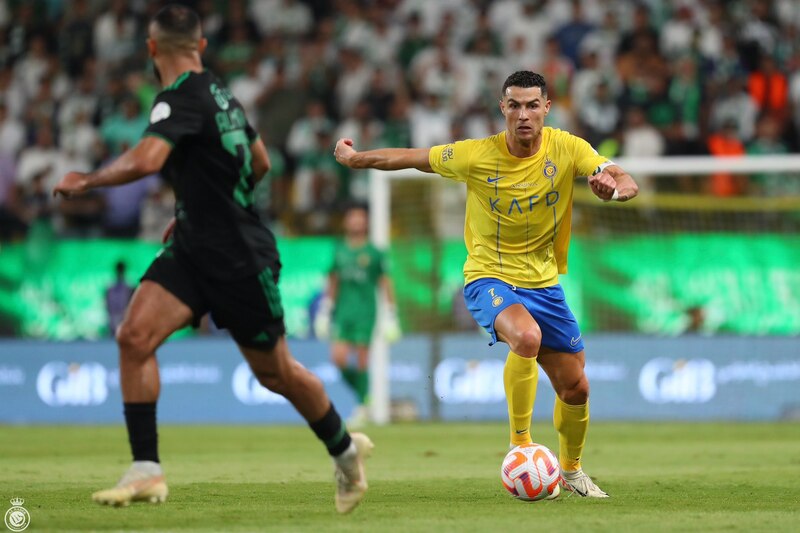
{"x":250,"y":308}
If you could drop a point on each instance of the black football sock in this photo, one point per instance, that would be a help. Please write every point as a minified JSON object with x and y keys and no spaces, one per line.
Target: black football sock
{"x":331,"y":431}
{"x":141,"y":421}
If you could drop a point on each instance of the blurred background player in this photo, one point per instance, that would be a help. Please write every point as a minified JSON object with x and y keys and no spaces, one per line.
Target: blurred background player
{"x":220,"y":259}
{"x":117,"y":297}
{"x":517,"y":230}
{"x":350,"y":306}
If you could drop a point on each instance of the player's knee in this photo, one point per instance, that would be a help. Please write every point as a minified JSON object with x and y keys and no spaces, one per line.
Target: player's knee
{"x":576,"y":394}
{"x":133,"y":340}
{"x":273,"y":381}
{"x":527,"y":342}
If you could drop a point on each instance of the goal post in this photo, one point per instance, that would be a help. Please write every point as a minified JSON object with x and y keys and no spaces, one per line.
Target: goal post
{"x":675,"y":214}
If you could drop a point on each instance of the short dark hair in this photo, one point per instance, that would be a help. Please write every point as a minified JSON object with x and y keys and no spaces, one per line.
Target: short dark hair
{"x":525,"y":79}
{"x":178,"y":27}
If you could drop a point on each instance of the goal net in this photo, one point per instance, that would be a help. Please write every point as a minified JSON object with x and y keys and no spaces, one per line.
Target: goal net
{"x":711,"y":246}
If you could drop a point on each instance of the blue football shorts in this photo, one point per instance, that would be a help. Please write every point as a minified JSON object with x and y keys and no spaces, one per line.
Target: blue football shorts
{"x":488,"y":297}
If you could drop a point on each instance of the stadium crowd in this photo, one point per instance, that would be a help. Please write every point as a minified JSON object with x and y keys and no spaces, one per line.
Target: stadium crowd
{"x":647,"y":78}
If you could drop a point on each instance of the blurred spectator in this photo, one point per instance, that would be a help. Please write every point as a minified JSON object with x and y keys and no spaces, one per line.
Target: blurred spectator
{"x":735,"y":105}
{"x":599,"y":114}
{"x":12,"y":224}
{"x":158,"y":208}
{"x":556,"y":68}
{"x":768,"y":142}
{"x":571,"y":34}
{"x":353,"y":80}
{"x":115,"y":34}
{"x":117,"y":297}
{"x":686,"y":95}
{"x":13,"y":94}
{"x":430,"y":122}
{"x":123,"y":206}
{"x":81,"y":100}
{"x":640,"y":138}
{"x":678,"y":33}
{"x":285,"y":17}
{"x":42,"y":161}
{"x":303,"y":135}
{"x":768,"y":87}
{"x":247,"y":88}
{"x":82,"y":139}
{"x":726,"y":143}
{"x":12,"y":133}
{"x":235,"y":52}
{"x":320,"y":183}
{"x":125,"y":127}
{"x":413,"y":42}
{"x":76,"y":38}
{"x":361,"y":126}
{"x":33,"y":65}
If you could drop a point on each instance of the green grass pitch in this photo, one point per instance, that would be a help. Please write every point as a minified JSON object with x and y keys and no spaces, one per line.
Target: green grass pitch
{"x":423,"y":477}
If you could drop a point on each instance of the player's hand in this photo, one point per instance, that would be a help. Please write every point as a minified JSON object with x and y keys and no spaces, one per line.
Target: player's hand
{"x":344,"y":151}
{"x":72,"y":184}
{"x":391,"y":326}
{"x":322,"y":320}
{"x":603,"y":185}
{"x":168,"y":231}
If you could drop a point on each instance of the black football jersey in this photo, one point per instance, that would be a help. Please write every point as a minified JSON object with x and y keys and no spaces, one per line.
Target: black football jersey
{"x":210,"y":168}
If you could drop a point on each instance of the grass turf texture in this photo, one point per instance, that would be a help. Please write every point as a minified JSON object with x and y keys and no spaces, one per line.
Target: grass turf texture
{"x":423,"y":477}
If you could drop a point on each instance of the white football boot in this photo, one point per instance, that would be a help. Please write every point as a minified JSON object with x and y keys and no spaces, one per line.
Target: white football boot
{"x":143,"y":482}
{"x":579,"y":483}
{"x":351,"y":480}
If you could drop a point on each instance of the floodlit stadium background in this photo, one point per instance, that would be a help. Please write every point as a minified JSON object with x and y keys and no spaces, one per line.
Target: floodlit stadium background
{"x":689,"y":297}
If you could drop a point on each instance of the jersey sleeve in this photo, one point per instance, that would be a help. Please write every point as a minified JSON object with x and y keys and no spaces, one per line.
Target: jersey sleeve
{"x":451,"y":160}
{"x":587,"y":161}
{"x":174,"y":116}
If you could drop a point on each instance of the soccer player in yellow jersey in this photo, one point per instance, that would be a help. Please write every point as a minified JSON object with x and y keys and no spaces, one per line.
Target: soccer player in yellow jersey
{"x":517,"y":230}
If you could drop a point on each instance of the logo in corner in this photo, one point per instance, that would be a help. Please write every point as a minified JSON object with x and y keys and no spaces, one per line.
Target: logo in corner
{"x":17,"y":517}
{"x":574,"y":341}
{"x":159,"y":112}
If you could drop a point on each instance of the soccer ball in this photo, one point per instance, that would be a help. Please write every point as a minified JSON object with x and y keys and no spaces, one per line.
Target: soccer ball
{"x":530,"y":472}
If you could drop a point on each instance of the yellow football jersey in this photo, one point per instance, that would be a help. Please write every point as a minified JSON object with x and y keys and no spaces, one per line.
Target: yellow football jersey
{"x":519,"y":210}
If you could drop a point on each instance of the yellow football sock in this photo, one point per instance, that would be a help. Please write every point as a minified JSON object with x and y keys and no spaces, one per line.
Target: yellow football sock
{"x":520,"y":376}
{"x":571,"y":422}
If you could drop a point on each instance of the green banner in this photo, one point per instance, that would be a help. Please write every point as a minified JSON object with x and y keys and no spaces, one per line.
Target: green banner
{"x":656,"y":284}
{"x":709,"y":283}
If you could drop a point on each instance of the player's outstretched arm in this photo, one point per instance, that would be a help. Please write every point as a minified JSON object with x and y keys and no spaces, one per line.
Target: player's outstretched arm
{"x":383,"y":158}
{"x":146,"y":158}
{"x":611,"y":179}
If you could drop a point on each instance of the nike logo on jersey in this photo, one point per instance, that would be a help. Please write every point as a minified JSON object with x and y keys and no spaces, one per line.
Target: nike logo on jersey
{"x":521,"y":431}
{"x":574,"y":342}
{"x":496,"y":178}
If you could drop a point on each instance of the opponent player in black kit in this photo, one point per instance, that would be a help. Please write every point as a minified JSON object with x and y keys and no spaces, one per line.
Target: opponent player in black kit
{"x":220,"y":259}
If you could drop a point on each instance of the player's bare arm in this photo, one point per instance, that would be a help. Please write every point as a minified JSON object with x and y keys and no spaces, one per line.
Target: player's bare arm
{"x":613,"y":178}
{"x":144,"y":159}
{"x":261,"y":163}
{"x":388,"y":289}
{"x":382,"y":159}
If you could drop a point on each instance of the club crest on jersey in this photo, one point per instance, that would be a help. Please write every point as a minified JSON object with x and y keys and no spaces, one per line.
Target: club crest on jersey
{"x":447,"y":153}
{"x":496,"y":300}
{"x":549,"y":169}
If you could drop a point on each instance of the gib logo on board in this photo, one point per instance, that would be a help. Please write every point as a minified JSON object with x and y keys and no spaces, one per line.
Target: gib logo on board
{"x":664,"y":380}
{"x":74,"y":384}
{"x":249,"y":391}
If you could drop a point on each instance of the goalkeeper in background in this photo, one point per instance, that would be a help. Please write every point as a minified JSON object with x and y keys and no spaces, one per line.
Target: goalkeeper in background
{"x":348,"y":311}
{"x":517,"y":230}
